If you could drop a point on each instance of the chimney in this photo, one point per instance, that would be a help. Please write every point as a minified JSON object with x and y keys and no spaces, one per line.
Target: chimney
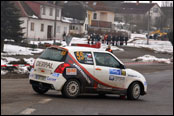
{"x":137,"y":3}
{"x":150,"y":2}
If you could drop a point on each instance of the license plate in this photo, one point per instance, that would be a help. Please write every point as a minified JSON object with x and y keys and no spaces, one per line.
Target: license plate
{"x":38,"y":77}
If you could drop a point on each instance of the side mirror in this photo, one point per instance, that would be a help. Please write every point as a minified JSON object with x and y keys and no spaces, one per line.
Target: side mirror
{"x":122,"y":66}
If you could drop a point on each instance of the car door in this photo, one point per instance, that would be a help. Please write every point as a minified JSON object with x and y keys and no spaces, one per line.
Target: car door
{"x":107,"y":70}
{"x":86,"y":62}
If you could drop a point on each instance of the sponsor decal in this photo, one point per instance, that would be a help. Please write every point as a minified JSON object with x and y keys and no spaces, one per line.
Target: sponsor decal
{"x":44,"y":64}
{"x":51,"y":79}
{"x":71,"y":71}
{"x":115,"y":71}
{"x":55,"y":74}
{"x":63,"y":53}
{"x":123,"y":73}
{"x":116,"y":78}
{"x":82,"y":72}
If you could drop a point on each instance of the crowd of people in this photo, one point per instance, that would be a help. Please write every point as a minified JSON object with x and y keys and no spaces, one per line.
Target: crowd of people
{"x":109,"y":39}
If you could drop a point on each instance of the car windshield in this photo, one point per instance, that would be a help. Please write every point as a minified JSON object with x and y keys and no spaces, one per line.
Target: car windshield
{"x":54,"y":54}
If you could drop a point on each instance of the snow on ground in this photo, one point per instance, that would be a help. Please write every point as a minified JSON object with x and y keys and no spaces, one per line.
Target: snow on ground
{"x":157,"y":45}
{"x":150,"y":58}
{"x":6,"y":60}
{"x":18,"y":50}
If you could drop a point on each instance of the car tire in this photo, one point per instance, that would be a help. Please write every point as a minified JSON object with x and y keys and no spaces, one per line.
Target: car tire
{"x":40,"y":90}
{"x":101,"y":94}
{"x":134,"y":91}
{"x":71,"y":89}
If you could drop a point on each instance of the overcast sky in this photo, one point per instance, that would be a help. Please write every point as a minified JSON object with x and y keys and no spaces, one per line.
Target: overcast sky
{"x":159,"y":2}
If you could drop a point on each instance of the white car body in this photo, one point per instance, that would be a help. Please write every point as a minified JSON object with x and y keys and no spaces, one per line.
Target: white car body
{"x":93,"y":77}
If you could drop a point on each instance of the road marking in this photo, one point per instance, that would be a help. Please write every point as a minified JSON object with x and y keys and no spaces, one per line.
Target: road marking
{"x":28,"y":111}
{"x":44,"y":101}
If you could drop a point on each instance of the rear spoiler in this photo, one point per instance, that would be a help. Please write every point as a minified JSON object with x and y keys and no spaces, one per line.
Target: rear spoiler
{"x":58,"y":47}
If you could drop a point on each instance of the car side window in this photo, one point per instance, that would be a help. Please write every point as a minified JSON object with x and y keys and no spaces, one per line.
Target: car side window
{"x":84,"y":57}
{"x":105,"y":59}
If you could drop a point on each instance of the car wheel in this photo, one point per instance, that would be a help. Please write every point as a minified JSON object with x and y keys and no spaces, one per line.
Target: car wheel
{"x":40,"y":90}
{"x":71,"y":89}
{"x":101,"y":94}
{"x":134,"y":91}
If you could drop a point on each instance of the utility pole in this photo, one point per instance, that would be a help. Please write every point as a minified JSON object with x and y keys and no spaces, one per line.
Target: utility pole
{"x":148,"y":27}
{"x":54,"y":41}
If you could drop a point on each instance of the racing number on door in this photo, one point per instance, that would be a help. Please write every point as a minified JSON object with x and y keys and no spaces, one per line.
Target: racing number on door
{"x":80,"y":55}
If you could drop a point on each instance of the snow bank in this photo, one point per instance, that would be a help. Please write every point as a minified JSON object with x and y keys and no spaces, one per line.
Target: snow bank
{"x":150,"y":58}
{"x":156,"y":45}
{"x":18,"y":50}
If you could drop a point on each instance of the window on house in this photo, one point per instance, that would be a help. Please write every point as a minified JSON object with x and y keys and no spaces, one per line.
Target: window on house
{"x":95,"y":16}
{"x":43,"y":10}
{"x":65,"y":29}
{"x":51,"y":11}
{"x":57,"y":12}
{"x":42,"y":28}
{"x":155,"y":10}
{"x":58,"y":29}
{"x":72,"y":27}
{"x":86,"y":26}
{"x":32,"y":26}
{"x":77,"y":28}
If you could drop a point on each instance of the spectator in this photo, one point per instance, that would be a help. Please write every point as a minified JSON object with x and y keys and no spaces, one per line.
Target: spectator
{"x":102,"y":38}
{"x":64,"y":35}
{"x":126,"y":39}
{"x":116,"y":39}
{"x":109,"y":40}
{"x":88,"y":39}
{"x":68,"y":39}
{"x":113,"y":39}
{"x":105,"y":38}
{"x":92,"y":39}
{"x":121,"y":40}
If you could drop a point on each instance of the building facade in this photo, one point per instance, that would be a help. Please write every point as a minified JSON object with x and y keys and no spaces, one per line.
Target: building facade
{"x":39,"y":20}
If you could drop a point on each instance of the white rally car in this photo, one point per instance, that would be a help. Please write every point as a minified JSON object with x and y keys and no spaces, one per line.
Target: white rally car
{"x":75,"y":70}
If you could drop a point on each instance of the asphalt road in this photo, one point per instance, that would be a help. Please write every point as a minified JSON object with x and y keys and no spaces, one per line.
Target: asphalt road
{"x":17,"y":97}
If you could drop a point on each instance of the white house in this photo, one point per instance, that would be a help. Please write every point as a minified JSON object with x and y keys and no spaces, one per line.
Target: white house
{"x":39,"y":20}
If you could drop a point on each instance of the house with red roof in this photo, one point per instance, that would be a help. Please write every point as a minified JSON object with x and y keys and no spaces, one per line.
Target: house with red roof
{"x":39,"y":18}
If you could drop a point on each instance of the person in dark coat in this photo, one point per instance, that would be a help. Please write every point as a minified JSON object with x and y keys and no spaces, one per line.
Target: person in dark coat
{"x":116,"y":39}
{"x":126,"y":39}
{"x":113,"y":40}
{"x":89,"y":37}
{"x":92,"y":39}
{"x":121,"y":40}
{"x":109,"y":39}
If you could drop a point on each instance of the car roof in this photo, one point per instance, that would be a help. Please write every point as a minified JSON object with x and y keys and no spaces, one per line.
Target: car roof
{"x":76,"y":48}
